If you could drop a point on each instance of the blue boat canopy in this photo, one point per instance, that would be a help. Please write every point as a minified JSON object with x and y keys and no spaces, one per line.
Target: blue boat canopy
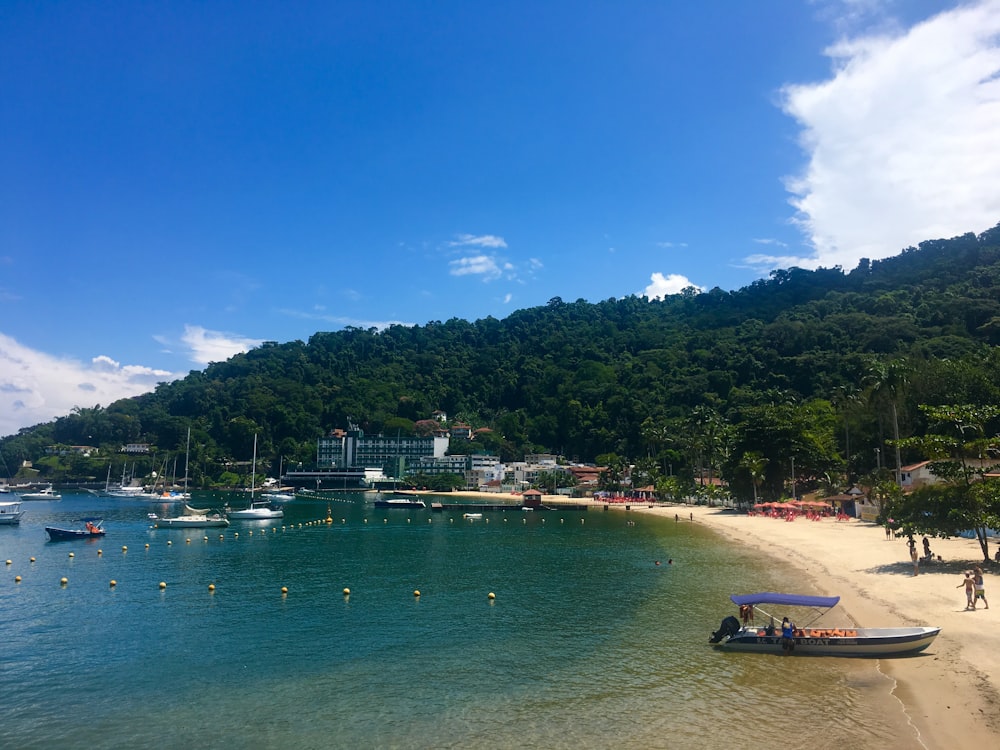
{"x":791,"y":600}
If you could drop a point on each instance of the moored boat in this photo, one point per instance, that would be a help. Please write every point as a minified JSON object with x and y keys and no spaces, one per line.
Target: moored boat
{"x":197,"y":521}
{"x":93,"y":527}
{"x":10,"y":513}
{"x":734,"y":635}
{"x":400,"y":502}
{"x":258,"y":510}
{"x":47,"y":493}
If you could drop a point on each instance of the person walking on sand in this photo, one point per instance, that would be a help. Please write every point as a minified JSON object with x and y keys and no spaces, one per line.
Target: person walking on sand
{"x":970,"y":588}
{"x":980,"y":588}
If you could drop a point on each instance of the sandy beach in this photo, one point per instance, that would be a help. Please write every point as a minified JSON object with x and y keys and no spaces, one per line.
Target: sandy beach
{"x":950,"y":693}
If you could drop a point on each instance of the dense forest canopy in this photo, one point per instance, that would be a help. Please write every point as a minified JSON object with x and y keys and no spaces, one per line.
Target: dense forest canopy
{"x":823,"y":369}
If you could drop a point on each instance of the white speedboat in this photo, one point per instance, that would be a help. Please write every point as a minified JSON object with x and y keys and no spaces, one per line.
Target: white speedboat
{"x":278,"y":497}
{"x":44,"y":494}
{"x":733,"y":635}
{"x":472,"y":516}
{"x":10,"y":513}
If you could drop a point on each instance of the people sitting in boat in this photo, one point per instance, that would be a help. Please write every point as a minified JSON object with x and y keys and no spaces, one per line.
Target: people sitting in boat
{"x":91,"y":528}
{"x":769,"y":630}
{"x":787,"y":635}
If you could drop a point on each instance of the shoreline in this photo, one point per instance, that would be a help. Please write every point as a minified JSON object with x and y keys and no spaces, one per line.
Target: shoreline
{"x":950,"y":693}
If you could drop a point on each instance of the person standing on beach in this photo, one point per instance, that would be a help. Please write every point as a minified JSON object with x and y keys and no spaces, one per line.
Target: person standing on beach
{"x":914,"y":556}
{"x":980,"y":588}
{"x":970,"y":588}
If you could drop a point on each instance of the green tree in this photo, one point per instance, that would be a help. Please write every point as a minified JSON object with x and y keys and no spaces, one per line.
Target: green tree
{"x":962,"y":452}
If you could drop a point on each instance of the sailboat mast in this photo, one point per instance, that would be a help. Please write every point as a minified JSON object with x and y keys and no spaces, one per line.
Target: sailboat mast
{"x":187,"y":458}
{"x":253,"y":470}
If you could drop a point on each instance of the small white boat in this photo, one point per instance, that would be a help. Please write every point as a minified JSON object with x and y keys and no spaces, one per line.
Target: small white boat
{"x":44,"y":494}
{"x":199,"y":521}
{"x":733,"y":635}
{"x":258,"y":510}
{"x":278,"y":497}
{"x":10,"y":513}
{"x":472,"y":516}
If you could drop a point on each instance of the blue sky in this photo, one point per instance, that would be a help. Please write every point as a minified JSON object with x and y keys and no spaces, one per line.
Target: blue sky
{"x":180,"y":181}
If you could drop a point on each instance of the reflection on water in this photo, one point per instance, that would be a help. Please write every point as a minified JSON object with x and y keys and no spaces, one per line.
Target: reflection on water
{"x":587,"y":643}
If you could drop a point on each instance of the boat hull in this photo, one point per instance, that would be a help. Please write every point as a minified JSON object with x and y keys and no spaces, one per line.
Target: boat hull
{"x":871,"y":642}
{"x":10,"y":513}
{"x":62,"y":535}
{"x":190,"y":522}
{"x":400,"y":502}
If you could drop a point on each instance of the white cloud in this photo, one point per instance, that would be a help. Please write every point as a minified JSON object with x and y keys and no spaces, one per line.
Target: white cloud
{"x":672,"y":244}
{"x":484,"y":240}
{"x":479,"y":265}
{"x":207,"y":346}
{"x":661,"y":286}
{"x":36,"y":387}
{"x":903,"y":142}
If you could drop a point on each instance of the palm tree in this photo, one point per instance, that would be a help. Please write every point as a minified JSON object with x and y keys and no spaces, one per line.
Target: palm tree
{"x":755,"y":465}
{"x":887,"y":380}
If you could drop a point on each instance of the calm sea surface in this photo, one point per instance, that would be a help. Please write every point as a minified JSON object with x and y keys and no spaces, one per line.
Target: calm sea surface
{"x":587,"y":644}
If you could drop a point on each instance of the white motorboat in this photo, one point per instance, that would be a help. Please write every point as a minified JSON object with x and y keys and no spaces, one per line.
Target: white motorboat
{"x":734,"y":635}
{"x":472,"y":516}
{"x":10,"y":513}
{"x":278,"y":497}
{"x":400,"y":502}
{"x":46,"y":493}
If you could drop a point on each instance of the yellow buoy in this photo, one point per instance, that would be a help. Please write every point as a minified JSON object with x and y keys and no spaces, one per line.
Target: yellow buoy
{"x":100,"y":552}
{"x":236,"y":534}
{"x":72,"y":554}
{"x":187,"y":541}
{"x":211,"y":587}
{"x":17,"y":579}
{"x":347,"y":592}
{"x":147,"y":545}
{"x":205,"y":538}
{"x":168,"y":543}
{"x":63,"y":581}
{"x":9,"y":562}
{"x":163,"y":585}
{"x":113,"y":583}
{"x":416,"y":593}
{"x":31,"y":560}
{"x":222,"y":536}
{"x":491,"y":595}
{"x":284,"y":589}
{"x":385,"y":520}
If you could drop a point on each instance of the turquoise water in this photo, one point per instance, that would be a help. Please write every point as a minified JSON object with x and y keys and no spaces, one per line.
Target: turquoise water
{"x":587,"y":644}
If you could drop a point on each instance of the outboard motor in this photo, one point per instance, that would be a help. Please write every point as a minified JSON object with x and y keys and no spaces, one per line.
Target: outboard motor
{"x":729,"y":627}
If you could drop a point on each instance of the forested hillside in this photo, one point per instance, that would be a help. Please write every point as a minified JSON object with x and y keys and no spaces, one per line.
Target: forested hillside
{"x":803,"y":366}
